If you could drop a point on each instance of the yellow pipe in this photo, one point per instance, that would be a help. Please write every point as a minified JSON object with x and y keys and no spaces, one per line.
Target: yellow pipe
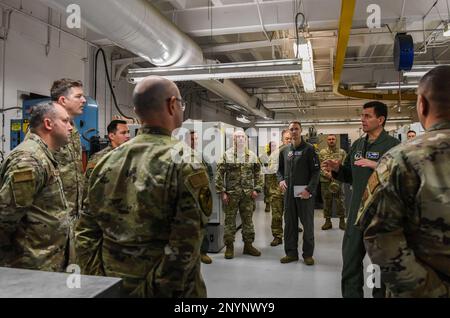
{"x":345,"y":26}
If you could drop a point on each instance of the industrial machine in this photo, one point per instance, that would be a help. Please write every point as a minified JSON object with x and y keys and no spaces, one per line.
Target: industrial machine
{"x":85,"y":123}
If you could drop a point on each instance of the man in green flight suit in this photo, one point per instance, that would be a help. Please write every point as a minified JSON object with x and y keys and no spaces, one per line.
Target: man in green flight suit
{"x":356,"y":170}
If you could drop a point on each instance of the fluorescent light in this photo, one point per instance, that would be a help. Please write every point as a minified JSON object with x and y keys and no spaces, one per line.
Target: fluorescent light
{"x":304,"y":51}
{"x":446,"y":30}
{"x":414,"y":73}
{"x":268,"y":68}
{"x":243,"y":119}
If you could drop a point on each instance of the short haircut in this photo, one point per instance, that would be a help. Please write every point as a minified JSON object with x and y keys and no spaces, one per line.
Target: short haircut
{"x":112,"y":127}
{"x":284,"y":132}
{"x":380,"y":109}
{"x":38,"y":113}
{"x":435,"y":87}
{"x":62,"y":87}
{"x":411,"y":131}
{"x":296,"y":122}
{"x":331,"y":135}
{"x":151,"y":98}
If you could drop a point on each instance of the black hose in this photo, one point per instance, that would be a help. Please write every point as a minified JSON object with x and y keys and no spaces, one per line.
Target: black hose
{"x":100,"y":50}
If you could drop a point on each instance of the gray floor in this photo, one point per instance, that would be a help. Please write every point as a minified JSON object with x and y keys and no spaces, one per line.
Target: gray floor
{"x":265,"y":277}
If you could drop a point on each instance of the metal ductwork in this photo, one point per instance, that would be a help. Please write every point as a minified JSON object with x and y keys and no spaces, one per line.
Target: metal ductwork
{"x":140,"y":28}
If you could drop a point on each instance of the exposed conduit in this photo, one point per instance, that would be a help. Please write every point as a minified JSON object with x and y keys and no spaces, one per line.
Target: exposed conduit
{"x":140,"y":28}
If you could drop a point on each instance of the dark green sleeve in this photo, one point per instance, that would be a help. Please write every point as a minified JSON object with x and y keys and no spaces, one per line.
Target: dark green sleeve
{"x":314,"y":166}
{"x":280,"y":172}
{"x":345,"y":171}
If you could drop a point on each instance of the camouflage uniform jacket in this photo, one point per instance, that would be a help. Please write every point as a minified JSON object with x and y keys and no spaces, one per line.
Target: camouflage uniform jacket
{"x":33,"y":210}
{"x":70,"y":164}
{"x":144,"y":216}
{"x":406,"y":214}
{"x":330,"y":154}
{"x":236,"y":174}
{"x":94,"y":160}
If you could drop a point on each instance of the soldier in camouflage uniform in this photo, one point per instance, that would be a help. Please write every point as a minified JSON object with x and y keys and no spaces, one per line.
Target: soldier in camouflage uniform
{"x":264,"y":159}
{"x":69,"y":94}
{"x":118,"y":133}
{"x":34,"y":225}
{"x":147,"y":203}
{"x":193,"y":143}
{"x":332,"y":153}
{"x":406,"y":206}
{"x":239,"y":181}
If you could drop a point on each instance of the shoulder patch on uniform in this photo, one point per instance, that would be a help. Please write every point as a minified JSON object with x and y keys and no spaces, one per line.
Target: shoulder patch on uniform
{"x":23,"y":175}
{"x":373,"y":182}
{"x":198,"y":180}
{"x":205,"y":200}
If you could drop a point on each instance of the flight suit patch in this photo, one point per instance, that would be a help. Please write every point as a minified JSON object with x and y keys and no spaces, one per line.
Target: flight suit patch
{"x":373,"y":155}
{"x":298,"y":153}
{"x":358,"y":155}
{"x":199,"y":180}
{"x":290,"y":154}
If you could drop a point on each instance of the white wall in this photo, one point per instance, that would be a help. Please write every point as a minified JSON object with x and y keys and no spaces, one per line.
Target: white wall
{"x":27,"y":68}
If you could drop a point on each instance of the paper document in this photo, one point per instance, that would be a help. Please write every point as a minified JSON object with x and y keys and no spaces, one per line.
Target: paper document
{"x":298,"y":190}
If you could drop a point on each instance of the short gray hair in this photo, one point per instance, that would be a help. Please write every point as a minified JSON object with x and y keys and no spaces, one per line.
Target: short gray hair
{"x":39,"y":112}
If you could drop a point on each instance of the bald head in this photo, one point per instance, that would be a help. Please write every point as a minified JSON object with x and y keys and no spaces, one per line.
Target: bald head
{"x":435,"y":88}
{"x":151,"y":94}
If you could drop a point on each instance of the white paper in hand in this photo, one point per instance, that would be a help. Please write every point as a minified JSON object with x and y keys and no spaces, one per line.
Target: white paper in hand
{"x":298,"y":190}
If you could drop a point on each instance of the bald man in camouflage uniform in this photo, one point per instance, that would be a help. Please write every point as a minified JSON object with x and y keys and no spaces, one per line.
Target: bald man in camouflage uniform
{"x":239,"y":182}
{"x":332,"y":153}
{"x":145,"y":213}
{"x":34,"y":223}
{"x":406,"y":206}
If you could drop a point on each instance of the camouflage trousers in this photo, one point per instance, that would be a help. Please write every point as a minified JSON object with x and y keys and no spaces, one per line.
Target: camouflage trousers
{"x":277,"y":204}
{"x":328,"y":197}
{"x":266,"y":190}
{"x":245,"y":204}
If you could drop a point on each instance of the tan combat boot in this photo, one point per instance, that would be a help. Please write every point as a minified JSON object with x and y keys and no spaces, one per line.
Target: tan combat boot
{"x":328,"y":225}
{"x":251,"y":250}
{"x":205,"y":259}
{"x":288,"y":259}
{"x":229,"y":252}
{"x":342,"y":224}
{"x":309,"y":261}
{"x":276,"y":241}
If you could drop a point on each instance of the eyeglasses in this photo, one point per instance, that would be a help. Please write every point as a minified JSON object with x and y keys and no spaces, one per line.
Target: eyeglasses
{"x":182,"y":102}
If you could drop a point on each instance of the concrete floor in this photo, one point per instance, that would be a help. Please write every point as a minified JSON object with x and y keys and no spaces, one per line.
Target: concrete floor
{"x":265,"y":277}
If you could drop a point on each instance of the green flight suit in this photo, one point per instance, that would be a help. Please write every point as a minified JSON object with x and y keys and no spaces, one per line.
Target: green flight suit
{"x":353,"y":250}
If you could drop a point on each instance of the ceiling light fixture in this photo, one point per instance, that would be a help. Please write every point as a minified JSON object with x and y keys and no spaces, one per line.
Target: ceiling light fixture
{"x":269,"y":68}
{"x":304,"y":51}
{"x":389,"y":86}
{"x":243,"y":119}
{"x":415,"y":73}
{"x":446,"y":30}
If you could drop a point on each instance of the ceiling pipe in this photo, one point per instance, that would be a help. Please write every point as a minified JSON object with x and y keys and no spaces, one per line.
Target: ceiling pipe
{"x":345,"y":26}
{"x":140,"y":28}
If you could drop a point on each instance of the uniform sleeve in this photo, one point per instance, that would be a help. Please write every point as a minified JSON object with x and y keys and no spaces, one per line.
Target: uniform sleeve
{"x":387,"y":213}
{"x":321,"y":159}
{"x":258,"y":176}
{"x":88,"y":243}
{"x":314,"y":166}
{"x":220,"y":175}
{"x":182,"y":253}
{"x":280,"y":172}
{"x":22,"y":180}
{"x":345,"y":171}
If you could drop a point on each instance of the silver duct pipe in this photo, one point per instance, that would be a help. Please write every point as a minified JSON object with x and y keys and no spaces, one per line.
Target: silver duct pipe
{"x":137,"y":26}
